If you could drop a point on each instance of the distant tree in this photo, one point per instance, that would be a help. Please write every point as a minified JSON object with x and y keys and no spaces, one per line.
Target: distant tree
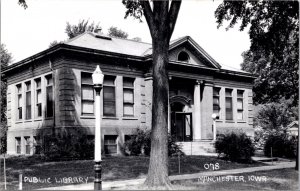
{"x":115,"y":32}
{"x":81,"y":27}
{"x":5,"y":59}
{"x":53,"y":43}
{"x":138,"y":39}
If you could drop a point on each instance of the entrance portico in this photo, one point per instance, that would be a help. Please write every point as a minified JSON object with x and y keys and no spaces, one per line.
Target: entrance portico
{"x":186,"y":112}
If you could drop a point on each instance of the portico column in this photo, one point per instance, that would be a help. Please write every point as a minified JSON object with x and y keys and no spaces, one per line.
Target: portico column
{"x":197,"y":112}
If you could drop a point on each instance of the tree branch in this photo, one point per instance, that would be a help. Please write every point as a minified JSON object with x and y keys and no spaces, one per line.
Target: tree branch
{"x":173,"y":14}
{"x":148,"y":15}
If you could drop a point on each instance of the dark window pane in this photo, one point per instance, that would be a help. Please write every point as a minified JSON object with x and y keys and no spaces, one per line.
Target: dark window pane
{"x":109,"y":80}
{"x":183,"y":56}
{"x":128,"y":82}
{"x":109,"y":101}
{"x":86,"y":78}
{"x":110,"y":144}
{"x":49,"y":110}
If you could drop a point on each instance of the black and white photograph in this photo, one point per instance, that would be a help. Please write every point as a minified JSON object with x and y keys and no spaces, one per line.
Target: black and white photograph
{"x":149,"y":95}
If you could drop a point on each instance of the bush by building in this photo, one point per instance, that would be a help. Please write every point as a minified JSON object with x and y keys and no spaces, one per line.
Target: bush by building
{"x":140,"y":144}
{"x":235,"y":147}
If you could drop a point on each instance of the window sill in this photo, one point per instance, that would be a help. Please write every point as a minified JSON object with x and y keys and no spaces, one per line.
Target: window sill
{"x":19,"y":122}
{"x":108,"y":117}
{"x":241,"y":121}
{"x":28,"y":120}
{"x":229,"y":121}
{"x":87,"y":117}
{"x":219,"y":120}
{"x":38,"y":119}
{"x":129,"y":118}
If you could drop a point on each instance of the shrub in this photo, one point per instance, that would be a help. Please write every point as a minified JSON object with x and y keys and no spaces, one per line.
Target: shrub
{"x":140,"y":144}
{"x":282,"y":146}
{"x":67,"y":146}
{"x":235,"y":147}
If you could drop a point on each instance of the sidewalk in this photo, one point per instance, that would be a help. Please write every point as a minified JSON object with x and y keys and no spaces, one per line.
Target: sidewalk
{"x":107,"y":185}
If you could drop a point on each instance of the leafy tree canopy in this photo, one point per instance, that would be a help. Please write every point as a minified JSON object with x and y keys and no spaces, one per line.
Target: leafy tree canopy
{"x":115,"y":32}
{"x":274,"y":50}
{"x":81,"y":27}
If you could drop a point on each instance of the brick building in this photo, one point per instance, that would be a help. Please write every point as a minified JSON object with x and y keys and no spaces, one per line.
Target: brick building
{"x":53,"y":91}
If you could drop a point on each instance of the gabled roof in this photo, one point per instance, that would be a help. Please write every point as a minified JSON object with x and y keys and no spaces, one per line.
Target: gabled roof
{"x":96,"y":43}
{"x":109,"y":44}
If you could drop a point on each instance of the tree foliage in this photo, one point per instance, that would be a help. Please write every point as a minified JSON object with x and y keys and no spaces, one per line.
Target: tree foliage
{"x":115,"y":32}
{"x":5,"y":58}
{"x":274,"y":50}
{"x":83,"y":26}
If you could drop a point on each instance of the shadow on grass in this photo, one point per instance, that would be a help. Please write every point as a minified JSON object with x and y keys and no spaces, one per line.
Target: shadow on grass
{"x":114,"y":168}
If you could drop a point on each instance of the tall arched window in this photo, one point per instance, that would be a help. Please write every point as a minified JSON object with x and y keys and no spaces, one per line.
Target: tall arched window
{"x":183,"y":56}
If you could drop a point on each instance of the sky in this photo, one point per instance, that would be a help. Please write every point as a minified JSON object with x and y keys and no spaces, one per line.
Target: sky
{"x":27,"y":32}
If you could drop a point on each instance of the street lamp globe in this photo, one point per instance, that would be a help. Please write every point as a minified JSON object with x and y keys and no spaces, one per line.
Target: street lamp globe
{"x":98,"y":76}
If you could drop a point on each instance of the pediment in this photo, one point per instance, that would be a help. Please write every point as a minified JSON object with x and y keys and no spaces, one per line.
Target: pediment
{"x":196,"y":55}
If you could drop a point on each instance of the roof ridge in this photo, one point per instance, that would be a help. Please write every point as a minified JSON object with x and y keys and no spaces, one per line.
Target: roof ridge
{"x":76,"y":37}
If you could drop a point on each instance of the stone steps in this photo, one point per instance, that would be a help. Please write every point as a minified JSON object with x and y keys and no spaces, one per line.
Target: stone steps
{"x":197,"y":148}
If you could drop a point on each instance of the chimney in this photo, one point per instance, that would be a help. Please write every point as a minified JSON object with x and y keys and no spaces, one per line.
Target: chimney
{"x":98,"y":31}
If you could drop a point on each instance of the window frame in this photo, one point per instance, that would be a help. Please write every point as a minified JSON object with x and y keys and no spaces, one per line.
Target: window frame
{"x":238,"y":97}
{"x":27,"y":145}
{"x":231,"y":103}
{"x":91,"y":85}
{"x":112,"y":100}
{"x":130,"y":88}
{"x":28,"y":107}
{"x":186,"y":54}
{"x":48,"y":86}
{"x":218,"y":91}
{"x":110,"y":144}
{"x":18,"y":143}
{"x":19,"y":101}
{"x":38,"y":106}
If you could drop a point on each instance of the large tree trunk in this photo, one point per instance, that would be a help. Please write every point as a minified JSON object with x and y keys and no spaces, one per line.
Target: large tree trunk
{"x":158,"y":167}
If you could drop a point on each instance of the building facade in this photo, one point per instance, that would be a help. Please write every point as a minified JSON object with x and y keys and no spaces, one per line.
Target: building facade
{"x":52,"y":91}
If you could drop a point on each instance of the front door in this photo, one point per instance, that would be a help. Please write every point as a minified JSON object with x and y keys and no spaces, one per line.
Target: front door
{"x":181,"y":128}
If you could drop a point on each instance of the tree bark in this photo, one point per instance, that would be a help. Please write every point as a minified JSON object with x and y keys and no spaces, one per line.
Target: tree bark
{"x":158,"y":167}
{"x":161,"y":23}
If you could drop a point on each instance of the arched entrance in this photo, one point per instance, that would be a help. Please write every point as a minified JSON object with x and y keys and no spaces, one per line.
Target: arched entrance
{"x":181,"y":119}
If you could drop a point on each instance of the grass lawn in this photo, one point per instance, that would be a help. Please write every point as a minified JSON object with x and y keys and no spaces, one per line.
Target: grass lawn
{"x":283,"y":179}
{"x":114,"y":168}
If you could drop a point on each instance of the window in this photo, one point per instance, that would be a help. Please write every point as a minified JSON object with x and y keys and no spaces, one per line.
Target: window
{"x":18,"y":145}
{"x":20,"y":101}
{"x":87,"y":94}
{"x":28,"y":100}
{"x":109,"y":96}
{"x":128,"y":96}
{"x":240,"y":105}
{"x":228,"y":104}
{"x":183,"y":56}
{"x":27,"y":145}
{"x":49,"y":96}
{"x":36,"y":146}
{"x":38,"y":98}
{"x":216,"y":100}
{"x":110,"y":144}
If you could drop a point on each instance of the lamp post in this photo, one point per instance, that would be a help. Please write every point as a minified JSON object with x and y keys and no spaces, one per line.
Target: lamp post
{"x":98,"y":81}
{"x":214,"y":117}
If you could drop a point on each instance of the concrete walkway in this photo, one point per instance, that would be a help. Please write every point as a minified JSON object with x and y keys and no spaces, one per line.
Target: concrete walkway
{"x":107,"y":185}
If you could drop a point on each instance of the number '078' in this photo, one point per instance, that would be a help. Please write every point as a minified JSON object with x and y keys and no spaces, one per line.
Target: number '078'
{"x":212,"y":166}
